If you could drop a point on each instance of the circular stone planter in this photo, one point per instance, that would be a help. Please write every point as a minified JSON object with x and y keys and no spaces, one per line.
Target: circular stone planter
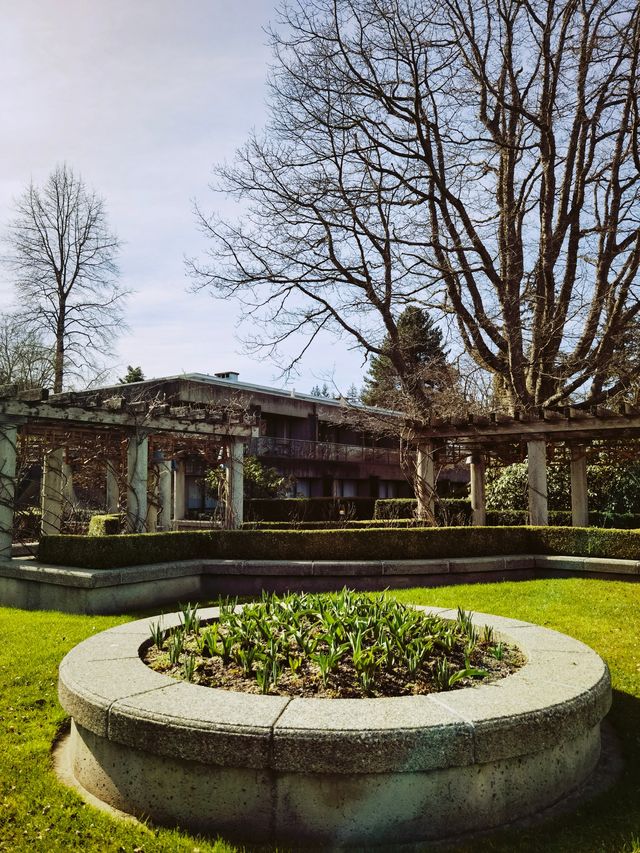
{"x":334,"y":772}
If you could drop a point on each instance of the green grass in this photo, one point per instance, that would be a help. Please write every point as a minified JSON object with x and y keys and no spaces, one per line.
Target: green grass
{"x":38,"y":814}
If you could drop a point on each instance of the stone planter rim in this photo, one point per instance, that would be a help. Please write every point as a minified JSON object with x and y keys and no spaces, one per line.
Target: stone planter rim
{"x":562,"y":690}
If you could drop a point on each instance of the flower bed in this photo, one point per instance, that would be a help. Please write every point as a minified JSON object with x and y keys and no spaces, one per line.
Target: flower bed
{"x":346,"y":645}
{"x":288,"y":770}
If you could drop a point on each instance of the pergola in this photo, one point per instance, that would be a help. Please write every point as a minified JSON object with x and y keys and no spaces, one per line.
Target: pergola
{"x":124,"y":430}
{"x":111,"y":424}
{"x":477,"y":437}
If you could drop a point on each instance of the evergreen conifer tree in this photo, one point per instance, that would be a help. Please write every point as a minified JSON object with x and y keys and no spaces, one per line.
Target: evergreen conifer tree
{"x":133,"y":374}
{"x":421,"y":346}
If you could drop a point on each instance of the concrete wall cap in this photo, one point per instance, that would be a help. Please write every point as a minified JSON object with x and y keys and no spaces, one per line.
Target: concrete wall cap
{"x":77,"y":578}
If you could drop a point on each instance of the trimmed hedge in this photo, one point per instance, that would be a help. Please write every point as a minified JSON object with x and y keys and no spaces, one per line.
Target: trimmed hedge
{"x":105,"y":552}
{"x":456,"y":509}
{"x":104,"y":525}
{"x":507,"y":518}
{"x":307,"y":509}
{"x":495,"y":518}
{"x":334,"y":525}
{"x":396,"y":508}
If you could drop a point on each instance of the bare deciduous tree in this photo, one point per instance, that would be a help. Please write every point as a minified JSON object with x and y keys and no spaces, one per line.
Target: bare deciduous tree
{"x":25,"y":359}
{"x":63,"y":258}
{"x":478,"y":157}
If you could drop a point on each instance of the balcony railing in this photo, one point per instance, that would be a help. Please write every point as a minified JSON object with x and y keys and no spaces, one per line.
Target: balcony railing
{"x":322,"y":451}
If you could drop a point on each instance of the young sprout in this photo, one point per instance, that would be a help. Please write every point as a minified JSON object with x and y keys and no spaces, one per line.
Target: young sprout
{"x":188,"y":667}
{"x":190,"y":620}
{"x":487,"y":635}
{"x":176,"y":646}
{"x":361,"y":644}
{"x":157,"y":634}
{"x":497,"y":651}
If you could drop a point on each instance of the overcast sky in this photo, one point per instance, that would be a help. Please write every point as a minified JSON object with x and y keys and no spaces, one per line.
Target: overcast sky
{"x":142,"y":98}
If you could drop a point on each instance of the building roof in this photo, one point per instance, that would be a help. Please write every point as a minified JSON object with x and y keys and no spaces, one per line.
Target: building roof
{"x":249,"y":387}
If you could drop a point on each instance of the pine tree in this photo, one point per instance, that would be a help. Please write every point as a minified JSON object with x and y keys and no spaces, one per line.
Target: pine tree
{"x":317,"y":391}
{"x":422,"y":349}
{"x":133,"y":374}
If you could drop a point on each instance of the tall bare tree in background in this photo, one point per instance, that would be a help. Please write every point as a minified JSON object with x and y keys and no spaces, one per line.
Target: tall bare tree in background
{"x":479,"y":158}
{"x":63,"y":258}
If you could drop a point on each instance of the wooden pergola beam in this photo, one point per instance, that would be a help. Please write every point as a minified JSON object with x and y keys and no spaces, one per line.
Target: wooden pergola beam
{"x":43,"y":413}
{"x":484,"y":432}
{"x":34,"y":413}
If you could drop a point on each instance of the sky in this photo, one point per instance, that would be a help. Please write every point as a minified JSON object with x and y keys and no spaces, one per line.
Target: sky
{"x":142,"y":99}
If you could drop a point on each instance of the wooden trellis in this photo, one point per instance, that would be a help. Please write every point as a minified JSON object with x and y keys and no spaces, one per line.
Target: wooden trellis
{"x":116,"y":438}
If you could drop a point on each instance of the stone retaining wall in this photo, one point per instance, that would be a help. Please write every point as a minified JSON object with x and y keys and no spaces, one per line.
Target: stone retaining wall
{"x":33,"y":586}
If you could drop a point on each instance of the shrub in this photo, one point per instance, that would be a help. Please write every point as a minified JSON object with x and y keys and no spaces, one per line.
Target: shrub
{"x":106,"y":552}
{"x":613,"y":489}
{"x":104,"y":525}
{"x":26,"y":522}
{"x":333,"y":525}
{"x":260,"y":481}
{"x":622,"y":521}
{"x":507,"y":517}
{"x":495,"y":518}
{"x":103,"y":552}
{"x":448,"y":510}
{"x":308,"y":509}
{"x":509,"y":489}
{"x":395,"y":508}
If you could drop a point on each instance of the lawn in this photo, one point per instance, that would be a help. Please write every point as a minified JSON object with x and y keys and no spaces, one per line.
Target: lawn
{"x":37,"y":813}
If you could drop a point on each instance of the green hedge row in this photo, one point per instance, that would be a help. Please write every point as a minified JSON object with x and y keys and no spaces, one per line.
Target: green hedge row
{"x":562,"y":518}
{"x":354,"y":509}
{"x":384,"y":523}
{"x":104,"y":552}
{"x":507,"y":518}
{"x":307,"y":509}
{"x":105,"y":525}
{"x":458,"y":510}
{"x":397,"y":508}
{"x":446,"y":508}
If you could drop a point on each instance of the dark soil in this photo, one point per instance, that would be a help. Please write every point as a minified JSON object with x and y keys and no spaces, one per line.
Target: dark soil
{"x":340,"y":684}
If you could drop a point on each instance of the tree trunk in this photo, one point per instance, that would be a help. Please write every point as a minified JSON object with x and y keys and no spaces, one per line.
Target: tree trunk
{"x":59,"y":357}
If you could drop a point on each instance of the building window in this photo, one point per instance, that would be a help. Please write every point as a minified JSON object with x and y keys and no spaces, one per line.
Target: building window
{"x":388,"y":489}
{"x":303,"y":487}
{"x":197,"y":495}
{"x":346,"y":488}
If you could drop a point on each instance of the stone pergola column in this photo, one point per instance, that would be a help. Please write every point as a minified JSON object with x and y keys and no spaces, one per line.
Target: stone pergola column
{"x":426,"y":477}
{"x":8,"y":455}
{"x":579,"y":493}
{"x":137,"y":477}
{"x":68,"y":490}
{"x":179,"y":490}
{"x":234,"y":511}
{"x":153,"y":500}
{"x":53,"y":491}
{"x":112,"y":486}
{"x":478,"y":504}
{"x":537,"y":468}
{"x":164,"y":495}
